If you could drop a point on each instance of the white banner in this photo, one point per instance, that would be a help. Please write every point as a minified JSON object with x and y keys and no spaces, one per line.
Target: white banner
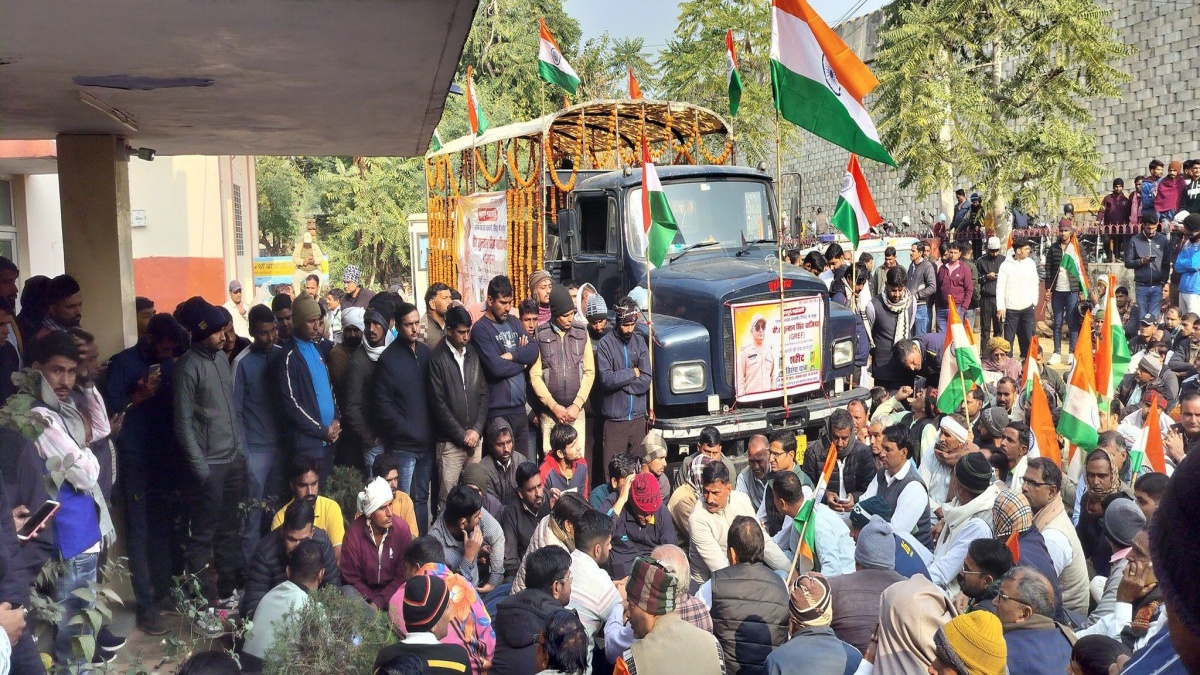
{"x":768,"y":348}
{"x":482,"y":243}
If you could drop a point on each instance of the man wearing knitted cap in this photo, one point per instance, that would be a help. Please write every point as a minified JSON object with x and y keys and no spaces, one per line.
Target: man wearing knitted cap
{"x":426,"y":599}
{"x":563,"y":374}
{"x":206,"y":428}
{"x":540,"y":283}
{"x":911,"y":557}
{"x":970,"y":643}
{"x":813,"y":647}
{"x":373,"y":549}
{"x":856,"y":595}
{"x":356,"y":295}
{"x":623,"y":371}
{"x":306,"y":393}
{"x":665,"y":642}
{"x":641,"y":523}
{"x":965,"y":518}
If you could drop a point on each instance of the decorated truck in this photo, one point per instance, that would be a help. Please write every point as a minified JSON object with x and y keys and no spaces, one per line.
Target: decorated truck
{"x":740,"y":341}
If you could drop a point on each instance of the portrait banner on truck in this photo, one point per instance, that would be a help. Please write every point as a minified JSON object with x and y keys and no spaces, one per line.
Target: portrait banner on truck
{"x":770,"y":347}
{"x":482,"y":242}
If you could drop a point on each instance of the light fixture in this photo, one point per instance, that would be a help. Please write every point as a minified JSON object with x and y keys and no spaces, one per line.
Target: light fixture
{"x":144,"y":154}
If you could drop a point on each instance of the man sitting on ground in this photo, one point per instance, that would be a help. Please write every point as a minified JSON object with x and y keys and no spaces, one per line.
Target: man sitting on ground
{"x":520,"y":520}
{"x":593,"y":594}
{"x":386,"y":467}
{"x":519,"y":617}
{"x":268,"y":567}
{"x":856,"y":595}
{"x":501,"y":461}
{"x":373,"y":562}
{"x":834,"y":546}
{"x":304,"y":484}
{"x":718,"y":507}
{"x":305,"y":572}
{"x":641,"y":523}
{"x":425,"y":603}
{"x":465,"y":529}
{"x":1036,"y":644}
{"x":813,"y":647}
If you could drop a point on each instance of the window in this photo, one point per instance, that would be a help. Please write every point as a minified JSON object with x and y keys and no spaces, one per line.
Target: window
{"x":238,"y":233}
{"x":6,"y":205}
{"x":593,"y":212}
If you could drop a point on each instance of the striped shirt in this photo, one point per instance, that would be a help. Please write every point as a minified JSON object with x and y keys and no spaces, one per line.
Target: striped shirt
{"x":593,"y":593}
{"x":1158,"y":657}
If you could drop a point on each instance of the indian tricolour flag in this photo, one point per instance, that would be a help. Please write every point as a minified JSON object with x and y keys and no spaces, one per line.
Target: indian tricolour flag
{"x":1149,"y":446}
{"x":436,"y":143}
{"x":961,"y":368}
{"x":1080,"y":419}
{"x":475,"y":116}
{"x":552,"y":65}
{"x":1072,"y":262}
{"x":819,"y":83}
{"x":803,"y":522}
{"x":855,"y":212}
{"x":1112,"y":351}
{"x":1041,"y":422}
{"x":656,"y":212}
{"x":732,"y":77}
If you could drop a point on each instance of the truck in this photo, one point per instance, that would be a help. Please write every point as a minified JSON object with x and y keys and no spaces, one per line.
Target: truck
{"x":741,"y":341}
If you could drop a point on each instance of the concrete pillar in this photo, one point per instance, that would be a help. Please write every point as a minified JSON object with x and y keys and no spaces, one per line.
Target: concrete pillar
{"x":93,"y":189}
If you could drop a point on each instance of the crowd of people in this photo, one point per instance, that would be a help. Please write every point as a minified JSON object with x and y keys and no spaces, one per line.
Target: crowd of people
{"x":515,"y":512}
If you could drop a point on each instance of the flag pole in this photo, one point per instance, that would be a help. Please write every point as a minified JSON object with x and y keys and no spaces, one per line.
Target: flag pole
{"x":966,"y":413}
{"x":779,"y":242}
{"x":800,"y":543}
{"x":542,"y":109}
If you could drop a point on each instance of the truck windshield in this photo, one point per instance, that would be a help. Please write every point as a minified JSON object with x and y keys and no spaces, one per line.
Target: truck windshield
{"x":725,"y":211}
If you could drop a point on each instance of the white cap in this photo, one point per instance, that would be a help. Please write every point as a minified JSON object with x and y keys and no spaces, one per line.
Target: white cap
{"x":1180,"y":216}
{"x":993,"y":243}
{"x":905,"y":221}
{"x":941,"y":217}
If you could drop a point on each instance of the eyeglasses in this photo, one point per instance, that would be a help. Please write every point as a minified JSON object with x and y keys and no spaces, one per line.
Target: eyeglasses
{"x":965,"y":571}
{"x":781,"y":453}
{"x":1004,"y":596}
{"x":1034,"y":483}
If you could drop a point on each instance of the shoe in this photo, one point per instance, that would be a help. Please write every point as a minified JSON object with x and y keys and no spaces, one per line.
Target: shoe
{"x":1055,"y":359}
{"x":230,"y":603}
{"x":1070,"y":359}
{"x":210,"y":625}
{"x":108,"y":642}
{"x":153,"y":623}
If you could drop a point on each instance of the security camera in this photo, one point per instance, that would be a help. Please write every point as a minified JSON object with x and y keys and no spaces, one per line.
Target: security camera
{"x":146,"y":154}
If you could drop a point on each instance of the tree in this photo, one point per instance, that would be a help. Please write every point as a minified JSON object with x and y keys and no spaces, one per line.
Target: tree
{"x":995,"y":91}
{"x":281,"y":196}
{"x":693,"y":69}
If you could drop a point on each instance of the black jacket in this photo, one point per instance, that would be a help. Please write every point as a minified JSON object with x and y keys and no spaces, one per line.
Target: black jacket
{"x":268,"y":569}
{"x":750,"y":613}
{"x":401,"y":411}
{"x":986,"y":265}
{"x":859,"y":469}
{"x":303,"y":432}
{"x":1054,"y":258}
{"x":1155,"y":272}
{"x":518,"y":525}
{"x":457,"y":401}
{"x":519,"y":619}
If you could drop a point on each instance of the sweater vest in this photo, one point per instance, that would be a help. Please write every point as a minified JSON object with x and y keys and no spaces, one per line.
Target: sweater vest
{"x":923,"y":532}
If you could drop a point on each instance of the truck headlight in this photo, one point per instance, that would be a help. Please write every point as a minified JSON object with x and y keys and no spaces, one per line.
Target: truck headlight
{"x":687,"y":377}
{"x":843,"y":353}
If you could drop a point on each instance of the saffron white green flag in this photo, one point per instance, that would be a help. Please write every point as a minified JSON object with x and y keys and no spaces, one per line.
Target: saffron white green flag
{"x":962,"y":370}
{"x":552,"y":65}
{"x":475,"y":116}
{"x":436,"y":143}
{"x":1072,"y":262}
{"x":1080,"y":419}
{"x":656,"y":212}
{"x":855,"y":212}
{"x":732,"y":77}
{"x":819,"y":82}
{"x":1112,"y":351}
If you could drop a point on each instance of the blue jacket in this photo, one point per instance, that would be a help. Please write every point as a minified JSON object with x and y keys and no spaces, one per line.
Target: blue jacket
{"x":506,"y":379}
{"x":1037,"y":646}
{"x":1188,"y":264}
{"x":303,"y":432}
{"x":625,"y":396}
{"x":254,"y":400}
{"x":149,"y":427}
{"x":401,"y":412}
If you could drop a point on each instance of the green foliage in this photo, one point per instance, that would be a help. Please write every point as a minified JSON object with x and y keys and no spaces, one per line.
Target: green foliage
{"x":1017,"y":132}
{"x":281,"y":199}
{"x":693,"y":69}
{"x":45,"y":612}
{"x":332,"y":633}
{"x":343,"y":487}
{"x":16,"y":412}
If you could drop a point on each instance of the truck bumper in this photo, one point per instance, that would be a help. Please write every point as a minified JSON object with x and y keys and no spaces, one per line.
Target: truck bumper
{"x":742,"y":424}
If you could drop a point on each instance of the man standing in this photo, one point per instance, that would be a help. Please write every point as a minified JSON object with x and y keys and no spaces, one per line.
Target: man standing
{"x":961,"y":208}
{"x":1017,"y":292}
{"x":989,"y":272}
{"x":356,"y":295}
{"x":1145,"y":254}
{"x":922,"y":284}
{"x":504,"y":351}
{"x":281,"y":307}
{"x":306,"y":392}
{"x":563,"y":374}
{"x":458,"y":396}
{"x":623,"y":365}
{"x":402,"y":416}
{"x":241,"y":326}
{"x":358,"y":438}
{"x":1187,"y":264}
{"x":64,"y":300}
{"x":1042,"y":488}
{"x":891,"y":318}
{"x":1062,"y":291}
{"x":433,"y":323}
{"x":206,"y":428}
{"x":1115,"y":211}
{"x":954,"y":281}
{"x":258,"y":427}
{"x":879,"y":275}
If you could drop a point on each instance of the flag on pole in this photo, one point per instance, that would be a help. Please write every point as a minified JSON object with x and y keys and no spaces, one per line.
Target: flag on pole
{"x":475,"y":116}
{"x":1031,"y":367}
{"x":1041,"y":423}
{"x":1072,"y":262}
{"x":855,"y":212}
{"x":436,"y":143}
{"x":552,"y":65}
{"x":1149,"y":447}
{"x":803,"y":520}
{"x":961,"y":368}
{"x":819,"y":83}
{"x":656,"y":212}
{"x":732,"y":77}
{"x":1080,"y":419}
{"x":1112,"y":352}
{"x":1014,"y":546}
{"x":635,"y":89}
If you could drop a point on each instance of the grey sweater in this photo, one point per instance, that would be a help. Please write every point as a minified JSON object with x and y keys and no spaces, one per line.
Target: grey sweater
{"x":204,"y":421}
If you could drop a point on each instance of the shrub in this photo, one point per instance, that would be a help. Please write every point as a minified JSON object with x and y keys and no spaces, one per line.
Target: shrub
{"x":332,"y":633}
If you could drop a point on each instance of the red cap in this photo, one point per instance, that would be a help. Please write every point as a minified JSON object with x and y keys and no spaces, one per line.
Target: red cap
{"x":645,"y":493}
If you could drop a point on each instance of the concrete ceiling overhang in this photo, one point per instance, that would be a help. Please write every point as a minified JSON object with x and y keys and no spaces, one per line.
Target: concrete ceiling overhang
{"x":246,"y":77}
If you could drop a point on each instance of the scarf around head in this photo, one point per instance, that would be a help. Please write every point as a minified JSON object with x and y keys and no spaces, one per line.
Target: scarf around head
{"x":815,"y":614}
{"x":910,"y":613}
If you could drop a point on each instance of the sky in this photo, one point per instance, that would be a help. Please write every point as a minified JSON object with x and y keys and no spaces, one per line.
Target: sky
{"x":654,"y":20}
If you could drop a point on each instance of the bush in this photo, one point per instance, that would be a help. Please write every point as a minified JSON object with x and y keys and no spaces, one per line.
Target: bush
{"x":333,"y":633}
{"x":344,"y":485}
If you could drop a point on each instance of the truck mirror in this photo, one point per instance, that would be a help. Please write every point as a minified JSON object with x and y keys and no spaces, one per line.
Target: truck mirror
{"x":568,"y":233}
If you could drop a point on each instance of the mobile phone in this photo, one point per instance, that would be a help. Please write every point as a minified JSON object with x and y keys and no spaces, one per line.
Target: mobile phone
{"x":37,"y":520}
{"x":1178,"y":428}
{"x":155,"y":369}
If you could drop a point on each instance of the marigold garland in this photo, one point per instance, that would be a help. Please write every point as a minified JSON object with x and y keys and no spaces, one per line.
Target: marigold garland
{"x":488,"y":176}
{"x":534,"y":165}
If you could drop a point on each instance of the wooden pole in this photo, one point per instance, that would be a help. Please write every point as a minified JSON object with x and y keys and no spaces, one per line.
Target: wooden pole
{"x":800,"y":543}
{"x":779,"y":243}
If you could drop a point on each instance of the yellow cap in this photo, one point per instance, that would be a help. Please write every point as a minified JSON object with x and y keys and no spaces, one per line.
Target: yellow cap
{"x":978,"y":640}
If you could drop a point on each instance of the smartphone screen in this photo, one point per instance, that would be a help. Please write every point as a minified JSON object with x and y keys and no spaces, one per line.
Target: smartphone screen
{"x":38,"y":517}
{"x":155,"y":369}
